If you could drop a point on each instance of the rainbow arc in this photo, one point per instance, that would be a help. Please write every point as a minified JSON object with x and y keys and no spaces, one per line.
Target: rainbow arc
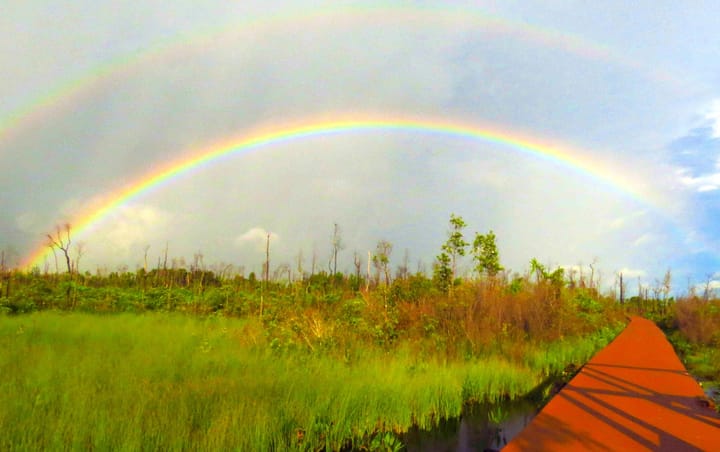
{"x":577,"y":161}
{"x":72,"y":91}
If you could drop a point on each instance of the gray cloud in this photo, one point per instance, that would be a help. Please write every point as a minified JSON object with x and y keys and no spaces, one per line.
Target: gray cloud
{"x":397,"y":186}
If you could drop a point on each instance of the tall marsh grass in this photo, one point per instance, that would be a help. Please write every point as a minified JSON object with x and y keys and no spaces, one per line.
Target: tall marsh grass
{"x":169,"y":382}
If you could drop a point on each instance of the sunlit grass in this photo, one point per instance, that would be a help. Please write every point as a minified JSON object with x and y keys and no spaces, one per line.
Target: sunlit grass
{"x":551,"y":359}
{"x":169,"y":382}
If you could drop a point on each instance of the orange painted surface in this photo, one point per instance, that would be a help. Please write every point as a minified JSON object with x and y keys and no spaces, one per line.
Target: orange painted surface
{"x":635,"y":394}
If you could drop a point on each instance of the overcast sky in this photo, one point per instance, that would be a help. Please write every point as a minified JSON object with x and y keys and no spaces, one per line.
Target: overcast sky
{"x":96,"y":95}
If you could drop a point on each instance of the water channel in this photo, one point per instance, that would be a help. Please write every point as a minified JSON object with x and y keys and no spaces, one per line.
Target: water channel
{"x":480,"y":428}
{"x":488,"y":427}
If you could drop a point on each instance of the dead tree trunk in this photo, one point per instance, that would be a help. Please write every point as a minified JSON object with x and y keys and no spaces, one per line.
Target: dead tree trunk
{"x":57,"y":241}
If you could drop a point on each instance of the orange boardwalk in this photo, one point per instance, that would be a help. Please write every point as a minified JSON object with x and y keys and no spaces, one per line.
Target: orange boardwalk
{"x":635,"y":394}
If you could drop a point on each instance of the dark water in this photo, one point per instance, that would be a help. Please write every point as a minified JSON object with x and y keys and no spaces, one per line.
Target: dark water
{"x":712,"y":390}
{"x":481,"y":427}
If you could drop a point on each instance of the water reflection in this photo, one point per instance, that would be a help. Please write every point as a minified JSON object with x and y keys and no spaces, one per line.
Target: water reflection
{"x":481,"y":427}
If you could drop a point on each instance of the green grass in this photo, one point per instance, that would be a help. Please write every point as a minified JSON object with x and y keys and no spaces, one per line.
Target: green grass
{"x":171,"y":382}
{"x":552,"y":359}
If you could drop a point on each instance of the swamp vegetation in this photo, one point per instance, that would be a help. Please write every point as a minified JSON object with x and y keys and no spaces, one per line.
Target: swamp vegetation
{"x":175,"y":358}
{"x":135,"y":360}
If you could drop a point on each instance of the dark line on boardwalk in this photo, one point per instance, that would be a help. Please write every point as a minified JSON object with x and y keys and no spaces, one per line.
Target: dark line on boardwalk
{"x":646,"y":369}
{"x":601,"y":417}
{"x":666,"y":401}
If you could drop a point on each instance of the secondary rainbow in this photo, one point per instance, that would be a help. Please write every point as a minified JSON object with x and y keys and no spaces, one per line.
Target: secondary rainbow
{"x":93,"y":81}
{"x":573,"y":160}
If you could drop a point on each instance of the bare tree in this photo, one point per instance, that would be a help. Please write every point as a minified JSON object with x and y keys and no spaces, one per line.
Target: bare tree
{"x":79,"y":253}
{"x":198,"y":261}
{"x":691,"y":288}
{"x":299,"y":261}
{"x":666,"y":284}
{"x":357,"y":261}
{"x":177,"y":263}
{"x":266,"y":268}
{"x":707,"y":290}
{"x":60,"y":240}
{"x":571,"y":272}
{"x":622,"y":285}
{"x":283,"y":269}
{"x":657,"y":290}
{"x":592,"y":273}
{"x":165,"y":258}
{"x":337,"y":245}
{"x":314,"y":262}
{"x":198,"y":268}
{"x":367,"y":281}
{"x":403,"y":270}
{"x":266,"y":274}
{"x":145,"y":257}
{"x":223,"y":271}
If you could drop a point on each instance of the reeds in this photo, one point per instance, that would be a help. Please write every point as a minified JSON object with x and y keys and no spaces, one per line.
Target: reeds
{"x":169,"y":382}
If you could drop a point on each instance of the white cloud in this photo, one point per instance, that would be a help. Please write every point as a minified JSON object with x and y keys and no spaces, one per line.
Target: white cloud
{"x":703,"y":175}
{"x":126,"y":229}
{"x":714,"y":284}
{"x":576,"y":270}
{"x":703,"y":183}
{"x":708,"y":187}
{"x":629,"y":273}
{"x":256,"y":237}
{"x":711,"y":286}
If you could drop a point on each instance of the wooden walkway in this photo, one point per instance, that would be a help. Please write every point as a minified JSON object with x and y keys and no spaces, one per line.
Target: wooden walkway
{"x":635,"y":394}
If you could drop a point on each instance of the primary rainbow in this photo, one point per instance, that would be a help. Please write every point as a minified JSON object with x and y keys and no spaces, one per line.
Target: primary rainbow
{"x":572,"y":159}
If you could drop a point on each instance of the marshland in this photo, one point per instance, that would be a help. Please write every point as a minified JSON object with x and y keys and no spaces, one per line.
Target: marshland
{"x":176,"y":358}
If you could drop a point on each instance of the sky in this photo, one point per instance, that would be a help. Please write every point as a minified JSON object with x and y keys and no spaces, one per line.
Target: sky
{"x":96,"y":97}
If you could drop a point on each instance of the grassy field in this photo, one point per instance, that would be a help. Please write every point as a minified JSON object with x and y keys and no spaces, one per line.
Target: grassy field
{"x":163,"y":381}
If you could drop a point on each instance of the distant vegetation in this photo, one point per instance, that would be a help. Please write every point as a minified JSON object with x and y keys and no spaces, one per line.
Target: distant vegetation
{"x":693,"y":326}
{"x":175,"y":357}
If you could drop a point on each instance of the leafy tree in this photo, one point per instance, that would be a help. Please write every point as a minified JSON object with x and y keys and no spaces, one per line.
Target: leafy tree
{"x":456,"y":244}
{"x":539,"y":270}
{"x":445,"y":267}
{"x":442,"y":273}
{"x":485,"y":254}
{"x":556,"y":277}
